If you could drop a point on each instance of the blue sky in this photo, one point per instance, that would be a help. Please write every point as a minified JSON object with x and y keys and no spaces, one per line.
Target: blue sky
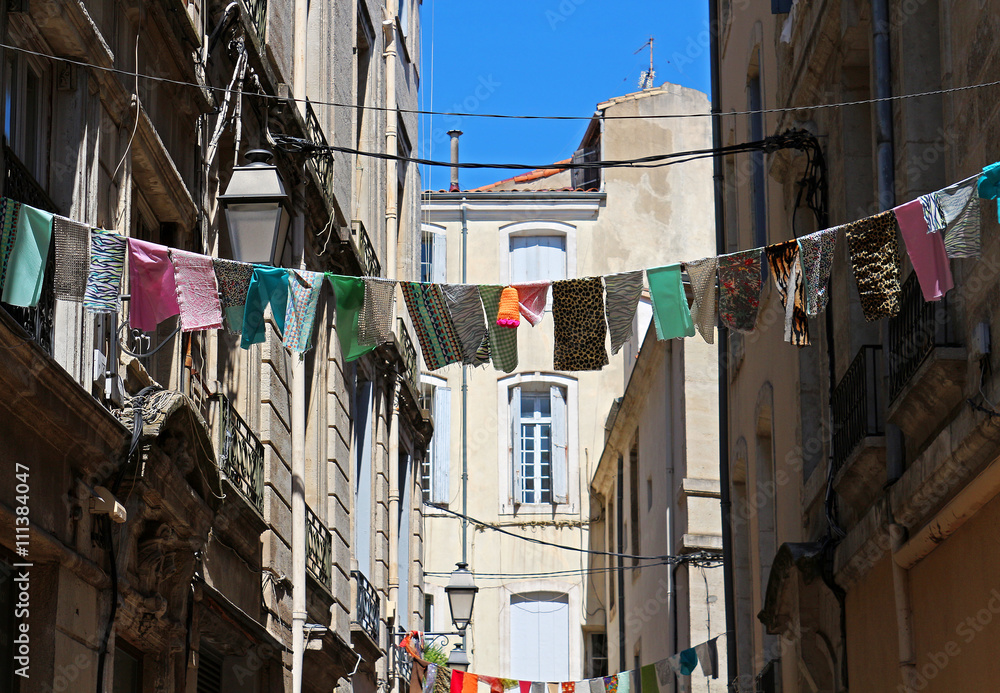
{"x":548,"y":57}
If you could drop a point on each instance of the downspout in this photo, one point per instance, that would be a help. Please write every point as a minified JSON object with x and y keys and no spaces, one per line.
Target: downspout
{"x":885,"y":156}
{"x":299,"y":612}
{"x":621,"y":566}
{"x":465,"y":389}
{"x":720,"y":245}
{"x":391,"y":143}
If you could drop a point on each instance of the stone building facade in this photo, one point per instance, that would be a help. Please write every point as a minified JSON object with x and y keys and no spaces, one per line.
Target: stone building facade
{"x":195,"y":437}
{"x":862,"y":468}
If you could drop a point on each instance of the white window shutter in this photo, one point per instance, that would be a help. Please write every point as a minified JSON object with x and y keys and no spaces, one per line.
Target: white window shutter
{"x":560,"y":453}
{"x":515,"y":442}
{"x":439,"y":263}
{"x":441,"y":464}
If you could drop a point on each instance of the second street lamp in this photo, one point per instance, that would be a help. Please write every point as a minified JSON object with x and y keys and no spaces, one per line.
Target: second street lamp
{"x":257,"y":211}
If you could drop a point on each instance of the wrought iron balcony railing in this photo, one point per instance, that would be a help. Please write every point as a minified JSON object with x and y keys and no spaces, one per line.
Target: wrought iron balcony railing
{"x":322,"y":163}
{"x":319,"y":548}
{"x":767,"y":679}
{"x":367,"y":609}
{"x":257,"y":11}
{"x":366,"y":249}
{"x":409,"y":354}
{"x":241,"y":454}
{"x":857,"y":411}
{"x":20,"y":185}
{"x":914,"y":332}
{"x":402,"y":662}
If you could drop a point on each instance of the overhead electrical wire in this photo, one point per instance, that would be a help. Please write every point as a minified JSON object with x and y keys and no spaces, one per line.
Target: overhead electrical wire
{"x":663,"y":559}
{"x":506,"y":116}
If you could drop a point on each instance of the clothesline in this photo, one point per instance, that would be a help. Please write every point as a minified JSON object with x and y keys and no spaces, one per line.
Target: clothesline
{"x":475,"y":324}
{"x":665,"y":676}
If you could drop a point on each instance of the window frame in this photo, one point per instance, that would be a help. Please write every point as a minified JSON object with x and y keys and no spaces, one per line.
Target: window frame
{"x":505,"y":448}
{"x":439,"y":253}
{"x":21,"y":64}
{"x":537,"y":228}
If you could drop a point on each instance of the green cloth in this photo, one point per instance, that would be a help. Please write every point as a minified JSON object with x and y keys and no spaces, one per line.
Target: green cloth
{"x":350,"y":295}
{"x":269,"y":285}
{"x":503,"y":340}
{"x":648,"y":679}
{"x":26,"y":266}
{"x":671,"y":312}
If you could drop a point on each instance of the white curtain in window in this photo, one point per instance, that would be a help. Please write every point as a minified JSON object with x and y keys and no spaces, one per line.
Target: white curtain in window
{"x":441,"y":463}
{"x":537,"y":257}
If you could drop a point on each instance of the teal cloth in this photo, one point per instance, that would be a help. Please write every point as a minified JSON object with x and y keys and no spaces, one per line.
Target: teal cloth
{"x":26,"y":266}
{"x":350,"y":295}
{"x":671,"y":312}
{"x":988,"y":186}
{"x":268,"y":285}
{"x":689,"y":660}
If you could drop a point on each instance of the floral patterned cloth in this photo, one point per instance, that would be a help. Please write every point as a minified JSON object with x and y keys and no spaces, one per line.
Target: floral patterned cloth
{"x":739,"y":289}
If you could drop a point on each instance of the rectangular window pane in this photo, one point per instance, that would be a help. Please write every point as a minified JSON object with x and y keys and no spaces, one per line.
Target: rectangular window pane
{"x":427,"y":258}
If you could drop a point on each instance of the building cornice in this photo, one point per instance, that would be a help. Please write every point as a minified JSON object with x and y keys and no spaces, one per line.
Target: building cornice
{"x":512,"y":206}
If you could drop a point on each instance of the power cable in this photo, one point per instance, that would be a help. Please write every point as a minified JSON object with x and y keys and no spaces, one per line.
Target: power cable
{"x":506,"y":116}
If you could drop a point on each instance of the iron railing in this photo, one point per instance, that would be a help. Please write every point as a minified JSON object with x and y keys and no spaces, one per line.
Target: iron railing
{"x":257,"y":11}
{"x":767,"y":679}
{"x":20,"y":185}
{"x":409,"y":355}
{"x":914,"y":331}
{"x":322,"y":162}
{"x":368,"y":607}
{"x":857,"y":411}
{"x":366,"y":249}
{"x":241,"y":454}
{"x":319,"y":548}
{"x":402,"y":662}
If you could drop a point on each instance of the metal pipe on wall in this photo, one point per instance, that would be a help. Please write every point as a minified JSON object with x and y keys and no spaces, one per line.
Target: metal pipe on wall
{"x":298,"y":403}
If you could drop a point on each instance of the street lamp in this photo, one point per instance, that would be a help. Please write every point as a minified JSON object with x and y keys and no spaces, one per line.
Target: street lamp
{"x":257,"y":210}
{"x":458,"y":659}
{"x":461,"y":592}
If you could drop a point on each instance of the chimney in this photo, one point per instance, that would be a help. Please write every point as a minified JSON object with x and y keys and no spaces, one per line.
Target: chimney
{"x":454,"y":134}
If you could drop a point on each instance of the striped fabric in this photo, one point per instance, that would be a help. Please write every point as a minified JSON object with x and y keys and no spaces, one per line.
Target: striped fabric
{"x":375,"y":321}
{"x":503,"y":341}
{"x":442,"y":680}
{"x":703,"y":308}
{"x":436,"y":333}
{"x":9,"y":213}
{"x":622,"y":292}
{"x":304,"y":289}
{"x":466,"y":309}
{"x":960,"y":207}
{"x":72,"y":241}
{"x":107,"y":264}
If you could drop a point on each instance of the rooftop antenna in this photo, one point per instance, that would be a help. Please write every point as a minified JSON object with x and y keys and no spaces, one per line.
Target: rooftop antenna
{"x":647,"y":77}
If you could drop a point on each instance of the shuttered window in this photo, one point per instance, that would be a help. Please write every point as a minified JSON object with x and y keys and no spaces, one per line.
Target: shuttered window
{"x":539,"y":452}
{"x":533,"y":258}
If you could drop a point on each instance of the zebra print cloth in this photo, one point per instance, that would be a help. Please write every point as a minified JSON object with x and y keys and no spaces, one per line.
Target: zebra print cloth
{"x":107,"y":263}
{"x":438,"y":340}
{"x":960,"y":208}
{"x":622,"y":292}
{"x":466,"y":310}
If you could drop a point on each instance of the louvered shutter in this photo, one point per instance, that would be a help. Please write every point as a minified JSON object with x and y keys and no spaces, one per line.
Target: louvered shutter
{"x":515,"y":443}
{"x":560,"y":452}
{"x":441,"y":463}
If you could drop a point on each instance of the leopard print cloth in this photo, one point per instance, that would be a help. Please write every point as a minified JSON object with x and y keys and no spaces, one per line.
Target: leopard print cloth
{"x":874,"y":246}
{"x":578,"y":324}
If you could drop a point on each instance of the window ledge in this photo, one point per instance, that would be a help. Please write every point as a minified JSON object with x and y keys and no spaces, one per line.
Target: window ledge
{"x":539,"y":509}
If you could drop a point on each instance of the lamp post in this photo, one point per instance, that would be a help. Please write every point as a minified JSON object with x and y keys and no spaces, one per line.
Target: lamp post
{"x":458,"y":659}
{"x":257,"y":209}
{"x":461,"y":592}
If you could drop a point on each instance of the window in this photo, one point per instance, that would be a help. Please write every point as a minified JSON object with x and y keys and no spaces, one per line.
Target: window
{"x":435,"y":468}
{"x":597,"y":660}
{"x":25,"y":116}
{"x":428,"y":612}
{"x":537,"y":257}
{"x":758,"y":189}
{"x":209,"y":670}
{"x":128,"y":672}
{"x":538,"y":413}
{"x":363,"y":404}
{"x":633,"y":497}
{"x":649,"y":494}
{"x":539,"y":636}
{"x":403,"y":533}
{"x":433,"y":257}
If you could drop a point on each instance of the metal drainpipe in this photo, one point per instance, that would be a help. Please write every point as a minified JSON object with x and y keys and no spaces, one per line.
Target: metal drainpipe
{"x":621,"y":566}
{"x":720,"y":245}
{"x":299,"y":612}
{"x":465,"y":388}
{"x":391,"y":144}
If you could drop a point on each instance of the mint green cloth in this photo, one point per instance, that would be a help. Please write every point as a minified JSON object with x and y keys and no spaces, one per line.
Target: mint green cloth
{"x":26,"y":266}
{"x":268,"y":285}
{"x":350,"y":295}
{"x":671,"y":312}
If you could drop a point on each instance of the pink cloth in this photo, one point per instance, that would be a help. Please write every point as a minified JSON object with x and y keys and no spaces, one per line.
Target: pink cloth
{"x":197,"y":291}
{"x":151,"y":285}
{"x":531,"y":298}
{"x":926,"y":250}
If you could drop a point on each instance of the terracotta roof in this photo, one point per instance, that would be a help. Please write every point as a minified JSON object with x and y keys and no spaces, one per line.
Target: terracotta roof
{"x":525,"y":177}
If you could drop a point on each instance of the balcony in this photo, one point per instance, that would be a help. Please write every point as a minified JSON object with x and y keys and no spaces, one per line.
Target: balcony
{"x":402,"y":662}
{"x":365,"y":250}
{"x":20,"y":185}
{"x":767,"y":679}
{"x":858,"y":431}
{"x":257,"y":12}
{"x":322,"y":163}
{"x":409,"y":355}
{"x":241,"y":454}
{"x":367,"y":608}
{"x":927,"y":366}
{"x":319,"y":549}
